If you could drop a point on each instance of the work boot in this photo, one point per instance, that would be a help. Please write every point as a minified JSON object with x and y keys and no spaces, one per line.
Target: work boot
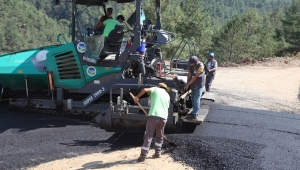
{"x":156,"y":156}
{"x":192,"y":117}
{"x":141,"y":159}
{"x":188,"y":116}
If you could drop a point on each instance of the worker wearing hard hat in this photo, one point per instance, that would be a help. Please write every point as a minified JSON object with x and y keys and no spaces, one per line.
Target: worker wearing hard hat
{"x":195,"y":82}
{"x":157,"y":118}
{"x":212,"y":66}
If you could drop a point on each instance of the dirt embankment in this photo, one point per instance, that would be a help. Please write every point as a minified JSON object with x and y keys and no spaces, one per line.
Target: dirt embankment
{"x":266,"y":62}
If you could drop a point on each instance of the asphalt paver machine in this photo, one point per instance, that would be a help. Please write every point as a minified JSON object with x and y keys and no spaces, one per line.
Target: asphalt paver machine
{"x":67,"y":78}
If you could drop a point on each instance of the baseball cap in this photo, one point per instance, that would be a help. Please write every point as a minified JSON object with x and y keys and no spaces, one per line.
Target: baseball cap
{"x":192,"y":60}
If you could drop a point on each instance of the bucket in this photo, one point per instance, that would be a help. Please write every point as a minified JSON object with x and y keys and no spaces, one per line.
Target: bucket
{"x":142,"y":48}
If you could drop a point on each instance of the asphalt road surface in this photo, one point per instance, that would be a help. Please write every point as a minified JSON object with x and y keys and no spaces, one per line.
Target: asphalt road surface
{"x":230,"y":138}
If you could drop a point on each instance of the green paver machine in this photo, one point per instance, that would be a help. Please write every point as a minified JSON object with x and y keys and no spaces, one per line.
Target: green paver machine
{"x":68,"y":79}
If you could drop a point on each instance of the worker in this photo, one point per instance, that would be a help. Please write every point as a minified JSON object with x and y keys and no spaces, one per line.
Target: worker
{"x":108,"y":15}
{"x":157,"y":118}
{"x":109,"y":26}
{"x":212,"y":66}
{"x":195,"y":82}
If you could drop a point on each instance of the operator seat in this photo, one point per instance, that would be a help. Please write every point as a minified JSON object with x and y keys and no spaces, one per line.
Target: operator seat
{"x":112,"y":43}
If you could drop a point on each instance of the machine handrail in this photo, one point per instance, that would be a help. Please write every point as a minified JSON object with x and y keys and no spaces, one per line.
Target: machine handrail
{"x":122,"y":85}
{"x":185,"y":43}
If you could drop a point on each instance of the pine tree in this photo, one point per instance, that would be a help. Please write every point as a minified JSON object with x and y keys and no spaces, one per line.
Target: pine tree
{"x":291,"y":26}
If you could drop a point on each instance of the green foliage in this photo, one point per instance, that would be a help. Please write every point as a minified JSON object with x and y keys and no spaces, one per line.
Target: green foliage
{"x":291,"y":26}
{"x":194,"y":25}
{"x":228,"y":38}
{"x":248,"y":36}
{"x":232,"y":29}
{"x":223,"y":10}
{"x":23,"y":26}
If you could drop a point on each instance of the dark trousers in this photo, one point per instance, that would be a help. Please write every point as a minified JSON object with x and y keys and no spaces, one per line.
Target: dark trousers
{"x":158,"y":124}
{"x":209,"y":80}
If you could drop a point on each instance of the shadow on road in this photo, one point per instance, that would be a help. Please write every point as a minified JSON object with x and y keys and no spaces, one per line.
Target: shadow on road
{"x":24,"y":121}
{"x":117,"y":141}
{"x":100,"y":165}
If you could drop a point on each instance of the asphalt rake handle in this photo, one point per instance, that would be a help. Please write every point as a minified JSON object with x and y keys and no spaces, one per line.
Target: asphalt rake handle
{"x":165,"y":138}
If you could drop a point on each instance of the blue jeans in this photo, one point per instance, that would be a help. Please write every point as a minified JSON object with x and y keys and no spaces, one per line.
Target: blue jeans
{"x":196,"y":96}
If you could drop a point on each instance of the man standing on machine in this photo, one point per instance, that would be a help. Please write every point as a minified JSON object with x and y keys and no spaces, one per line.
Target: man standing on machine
{"x":109,"y":26}
{"x":108,"y":15}
{"x":196,"y":82}
{"x":157,"y":118}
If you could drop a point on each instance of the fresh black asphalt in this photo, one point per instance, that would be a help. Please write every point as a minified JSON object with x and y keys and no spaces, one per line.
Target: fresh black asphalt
{"x":230,"y":138}
{"x":27,"y":140}
{"x":238,"y":138}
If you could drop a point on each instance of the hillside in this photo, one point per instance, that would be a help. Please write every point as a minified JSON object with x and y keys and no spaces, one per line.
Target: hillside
{"x":23,"y":26}
{"x":232,"y":29}
{"x":223,"y":10}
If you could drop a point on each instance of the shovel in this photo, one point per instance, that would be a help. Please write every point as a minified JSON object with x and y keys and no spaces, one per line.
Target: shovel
{"x":165,"y":138}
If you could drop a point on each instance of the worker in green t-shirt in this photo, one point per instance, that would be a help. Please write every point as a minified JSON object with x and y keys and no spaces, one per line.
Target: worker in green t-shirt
{"x":109,"y":26}
{"x":157,"y":118}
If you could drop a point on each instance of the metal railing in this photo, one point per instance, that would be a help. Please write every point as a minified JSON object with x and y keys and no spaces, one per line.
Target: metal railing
{"x":181,"y":46}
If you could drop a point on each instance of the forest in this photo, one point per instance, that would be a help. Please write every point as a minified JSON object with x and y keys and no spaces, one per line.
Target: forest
{"x":232,"y":29}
